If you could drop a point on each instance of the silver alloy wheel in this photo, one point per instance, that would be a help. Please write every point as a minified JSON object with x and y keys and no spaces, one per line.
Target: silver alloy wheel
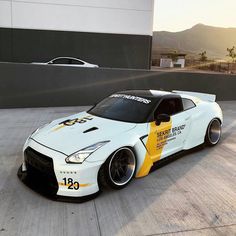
{"x":122,"y":166}
{"x":214,"y":131}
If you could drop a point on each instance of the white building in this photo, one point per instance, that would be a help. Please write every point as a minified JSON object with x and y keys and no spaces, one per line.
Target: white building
{"x":170,"y":60}
{"x":106,"y":32}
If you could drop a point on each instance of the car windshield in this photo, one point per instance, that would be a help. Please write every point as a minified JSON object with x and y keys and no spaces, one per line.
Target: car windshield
{"x":124,"y":107}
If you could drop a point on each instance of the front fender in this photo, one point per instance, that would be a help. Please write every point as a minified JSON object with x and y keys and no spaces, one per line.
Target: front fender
{"x":126,"y":140}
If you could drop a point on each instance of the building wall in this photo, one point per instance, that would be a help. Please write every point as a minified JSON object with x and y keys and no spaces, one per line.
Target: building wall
{"x":25,"y":85}
{"x":168,"y":63}
{"x":108,"y":32}
{"x":180,"y":62}
{"x":103,"y":16}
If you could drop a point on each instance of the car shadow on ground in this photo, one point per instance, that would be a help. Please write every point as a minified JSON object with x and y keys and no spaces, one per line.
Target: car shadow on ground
{"x":144,"y":196}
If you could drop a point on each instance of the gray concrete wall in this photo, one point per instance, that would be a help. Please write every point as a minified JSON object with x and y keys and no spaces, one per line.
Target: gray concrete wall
{"x":27,"y":85}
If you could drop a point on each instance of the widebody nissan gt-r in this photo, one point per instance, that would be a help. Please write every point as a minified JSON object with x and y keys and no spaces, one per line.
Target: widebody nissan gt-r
{"x":118,"y":139}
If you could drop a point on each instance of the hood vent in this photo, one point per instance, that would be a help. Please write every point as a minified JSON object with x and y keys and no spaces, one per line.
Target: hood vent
{"x":90,"y":130}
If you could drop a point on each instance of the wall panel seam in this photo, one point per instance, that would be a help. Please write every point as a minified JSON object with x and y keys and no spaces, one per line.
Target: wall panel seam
{"x":85,"y":6}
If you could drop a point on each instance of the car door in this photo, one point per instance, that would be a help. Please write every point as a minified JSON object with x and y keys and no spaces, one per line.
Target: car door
{"x":168,"y":138}
{"x":180,"y":123}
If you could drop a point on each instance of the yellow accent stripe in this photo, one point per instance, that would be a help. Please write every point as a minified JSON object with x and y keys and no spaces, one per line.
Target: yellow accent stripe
{"x":67,"y":185}
{"x":59,"y":127}
{"x":154,"y":145}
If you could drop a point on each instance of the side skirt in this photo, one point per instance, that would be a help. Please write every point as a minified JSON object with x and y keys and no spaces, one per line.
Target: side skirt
{"x":175,"y":157}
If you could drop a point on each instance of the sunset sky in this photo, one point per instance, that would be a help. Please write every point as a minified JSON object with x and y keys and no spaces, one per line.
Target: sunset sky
{"x":177,"y":15}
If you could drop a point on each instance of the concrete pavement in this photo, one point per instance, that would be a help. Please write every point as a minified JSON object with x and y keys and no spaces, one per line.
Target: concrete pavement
{"x":194,"y":195}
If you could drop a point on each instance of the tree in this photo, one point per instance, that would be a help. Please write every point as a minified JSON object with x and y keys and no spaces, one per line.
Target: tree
{"x":174,"y":56}
{"x":203,"y":56}
{"x":232,"y":53}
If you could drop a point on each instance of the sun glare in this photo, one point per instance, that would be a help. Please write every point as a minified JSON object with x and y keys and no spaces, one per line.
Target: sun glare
{"x":177,"y":15}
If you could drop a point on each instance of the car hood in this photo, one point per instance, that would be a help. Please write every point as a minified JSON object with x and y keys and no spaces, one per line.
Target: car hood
{"x":70,"y":134}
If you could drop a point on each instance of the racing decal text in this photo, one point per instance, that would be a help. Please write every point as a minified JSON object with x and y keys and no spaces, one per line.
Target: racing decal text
{"x":131,"y":97}
{"x":71,"y":122}
{"x":71,"y":183}
{"x":76,"y":120}
{"x":170,"y":134}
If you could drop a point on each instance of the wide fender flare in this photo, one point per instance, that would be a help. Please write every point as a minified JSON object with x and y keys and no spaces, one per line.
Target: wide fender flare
{"x":200,"y":122}
{"x":125,"y":140}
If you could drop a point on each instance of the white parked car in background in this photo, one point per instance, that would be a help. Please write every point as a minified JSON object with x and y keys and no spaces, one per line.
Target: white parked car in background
{"x":67,"y":61}
{"x":121,"y":137}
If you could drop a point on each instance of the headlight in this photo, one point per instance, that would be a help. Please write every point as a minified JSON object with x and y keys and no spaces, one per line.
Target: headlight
{"x":81,"y":155}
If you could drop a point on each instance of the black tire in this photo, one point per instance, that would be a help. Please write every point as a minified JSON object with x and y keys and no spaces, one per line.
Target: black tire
{"x":213,"y":132}
{"x":118,"y":170}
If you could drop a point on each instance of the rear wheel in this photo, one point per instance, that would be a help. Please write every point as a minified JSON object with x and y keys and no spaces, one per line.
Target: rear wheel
{"x":119,"y":169}
{"x":213,"y":133}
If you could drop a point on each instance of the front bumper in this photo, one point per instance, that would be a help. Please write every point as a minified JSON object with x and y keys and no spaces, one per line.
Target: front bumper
{"x":45,"y":190}
{"x":46,"y":172}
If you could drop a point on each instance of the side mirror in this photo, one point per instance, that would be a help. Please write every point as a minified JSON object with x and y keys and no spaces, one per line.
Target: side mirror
{"x":162,"y":118}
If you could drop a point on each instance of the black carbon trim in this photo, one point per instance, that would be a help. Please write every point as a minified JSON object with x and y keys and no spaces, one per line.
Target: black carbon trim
{"x":144,"y":136}
{"x":174,"y":157}
{"x":90,"y":130}
{"x":141,"y":139}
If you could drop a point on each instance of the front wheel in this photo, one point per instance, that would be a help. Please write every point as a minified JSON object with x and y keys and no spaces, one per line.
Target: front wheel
{"x":119,"y":169}
{"x":213,"y":132}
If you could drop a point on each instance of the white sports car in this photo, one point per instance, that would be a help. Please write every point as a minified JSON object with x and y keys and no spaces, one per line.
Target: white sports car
{"x":67,"y":61}
{"x":118,"y":139}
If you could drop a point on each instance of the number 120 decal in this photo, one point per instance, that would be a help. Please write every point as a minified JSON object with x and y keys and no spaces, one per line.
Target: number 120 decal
{"x":71,"y":183}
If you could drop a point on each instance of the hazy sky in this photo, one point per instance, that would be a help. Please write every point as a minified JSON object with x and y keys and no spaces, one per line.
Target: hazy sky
{"x":177,"y":15}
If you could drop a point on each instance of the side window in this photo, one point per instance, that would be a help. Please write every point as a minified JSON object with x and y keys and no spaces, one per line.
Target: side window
{"x":61,"y":61}
{"x":187,"y":103}
{"x":76,"y":62}
{"x":169,"y":106}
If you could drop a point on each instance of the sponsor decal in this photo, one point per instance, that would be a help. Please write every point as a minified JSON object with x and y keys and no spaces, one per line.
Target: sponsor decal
{"x":158,"y":138}
{"x":169,"y":134}
{"x":131,"y":97}
{"x":71,"y":122}
{"x":154,"y":145}
{"x":71,"y":184}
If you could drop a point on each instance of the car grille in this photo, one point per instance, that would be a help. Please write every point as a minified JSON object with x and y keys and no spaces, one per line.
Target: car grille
{"x":40,"y":172}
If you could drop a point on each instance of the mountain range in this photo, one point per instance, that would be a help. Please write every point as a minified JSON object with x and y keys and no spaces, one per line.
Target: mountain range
{"x":199,"y":38}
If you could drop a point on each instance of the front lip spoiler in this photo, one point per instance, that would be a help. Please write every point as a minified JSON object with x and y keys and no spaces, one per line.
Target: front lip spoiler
{"x":29,"y":182}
